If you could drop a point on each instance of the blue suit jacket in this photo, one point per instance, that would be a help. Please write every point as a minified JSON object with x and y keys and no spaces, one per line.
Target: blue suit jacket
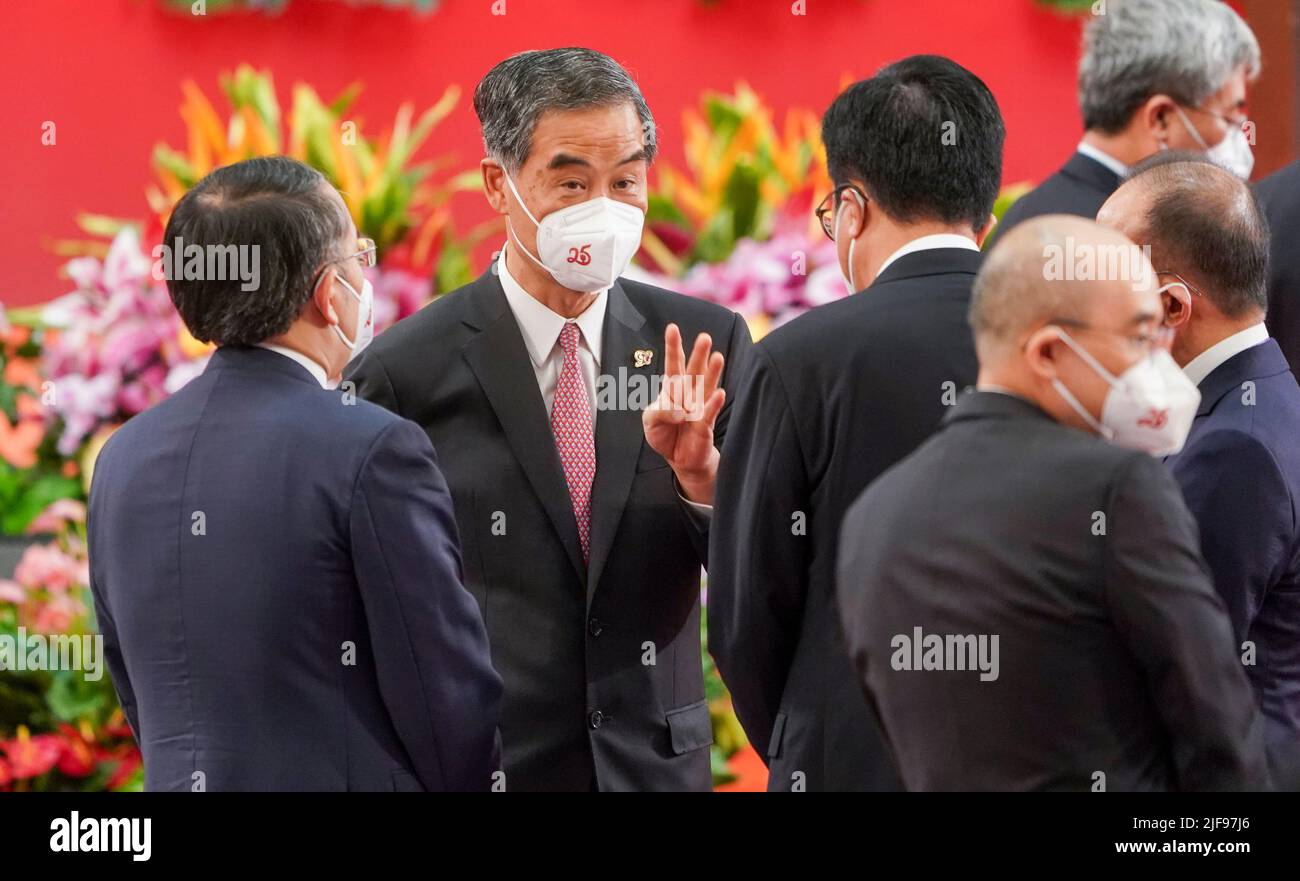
{"x":276,"y":573}
{"x":1240,"y":475}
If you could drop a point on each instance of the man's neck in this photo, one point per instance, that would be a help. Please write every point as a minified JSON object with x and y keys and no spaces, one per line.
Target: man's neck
{"x":895,"y":236}
{"x":1205,"y":334}
{"x":1126,"y":147}
{"x":541,"y":287}
{"x":302,"y":341}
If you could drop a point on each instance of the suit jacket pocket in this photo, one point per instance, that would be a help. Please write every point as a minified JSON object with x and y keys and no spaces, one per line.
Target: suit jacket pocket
{"x":778,"y":733}
{"x":690,"y":727}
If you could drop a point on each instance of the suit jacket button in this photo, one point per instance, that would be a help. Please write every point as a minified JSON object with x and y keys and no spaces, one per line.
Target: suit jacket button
{"x":595,"y":719}
{"x":594,"y":627}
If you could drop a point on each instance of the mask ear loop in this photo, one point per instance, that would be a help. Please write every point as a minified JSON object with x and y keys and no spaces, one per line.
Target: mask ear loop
{"x":1095,"y":424}
{"x":1191,"y":129}
{"x":529,"y":214}
{"x":852,"y":241}
{"x":351,"y":344}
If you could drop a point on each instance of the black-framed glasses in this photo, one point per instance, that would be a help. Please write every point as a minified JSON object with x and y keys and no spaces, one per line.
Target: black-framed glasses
{"x":825,"y":210}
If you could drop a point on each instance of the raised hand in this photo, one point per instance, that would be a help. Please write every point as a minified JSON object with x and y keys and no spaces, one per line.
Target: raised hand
{"x":679,"y":424}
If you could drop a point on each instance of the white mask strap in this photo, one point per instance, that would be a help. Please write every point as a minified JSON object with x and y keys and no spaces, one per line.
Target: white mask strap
{"x":1087,"y":358}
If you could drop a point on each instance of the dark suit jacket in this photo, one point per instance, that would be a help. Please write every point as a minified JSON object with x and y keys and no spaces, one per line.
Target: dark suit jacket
{"x":1279,"y":194}
{"x":1081,"y":187}
{"x":602,"y":666}
{"x":1240,"y":475}
{"x":833,"y":399}
{"x":1115,"y":655}
{"x":277,"y":578}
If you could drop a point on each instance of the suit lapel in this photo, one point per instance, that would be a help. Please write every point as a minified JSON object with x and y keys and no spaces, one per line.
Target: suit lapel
{"x":618,"y":429}
{"x":500,"y":362}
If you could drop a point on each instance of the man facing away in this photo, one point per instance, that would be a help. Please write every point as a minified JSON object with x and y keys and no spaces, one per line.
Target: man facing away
{"x":275,"y":565}
{"x":1023,"y":596}
{"x":584,"y":511}
{"x":837,"y":396}
{"x":1240,"y":468}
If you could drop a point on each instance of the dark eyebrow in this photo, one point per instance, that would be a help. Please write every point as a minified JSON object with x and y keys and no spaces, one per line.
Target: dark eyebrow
{"x":1142,"y":318}
{"x":560,"y":160}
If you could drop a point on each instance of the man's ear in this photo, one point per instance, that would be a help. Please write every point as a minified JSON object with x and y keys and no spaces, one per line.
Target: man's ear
{"x":494,"y":184}
{"x":322,"y":296}
{"x":1157,"y":117}
{"x":982,"y":235}
{"x":855,"y":214}
{"x":1177,"y":302}
{"x":1040,"y":352}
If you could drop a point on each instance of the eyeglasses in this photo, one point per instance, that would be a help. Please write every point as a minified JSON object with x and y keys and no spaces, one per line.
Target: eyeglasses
{"x":1182,"y":281}
{"x":1144,"y":341}
{"x":826,"y":209}
{"x":1226,"y":120}
{"x":365,"y":255}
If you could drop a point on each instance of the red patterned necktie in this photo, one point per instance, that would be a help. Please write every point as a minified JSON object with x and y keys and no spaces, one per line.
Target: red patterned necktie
{"x":571,"y":424}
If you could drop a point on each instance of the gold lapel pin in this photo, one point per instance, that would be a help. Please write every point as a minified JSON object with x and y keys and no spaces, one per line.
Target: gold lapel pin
{"x":642,"y":357}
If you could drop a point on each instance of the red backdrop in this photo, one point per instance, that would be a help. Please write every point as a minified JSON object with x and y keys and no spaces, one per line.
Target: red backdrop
{"x":107,"y":72}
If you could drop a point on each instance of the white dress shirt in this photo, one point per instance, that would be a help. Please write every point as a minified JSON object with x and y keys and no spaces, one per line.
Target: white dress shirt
{"x":541,"y":328}
{"x":929,"y":243}
{"x":1104,"y":158}
{"x":1208,"y":361}
{"x":317,"y":371}
{"x":541,"y":331}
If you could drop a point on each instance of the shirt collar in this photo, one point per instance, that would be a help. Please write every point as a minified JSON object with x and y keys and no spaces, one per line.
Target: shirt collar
{"x":540,"y":326}
{"x":929,"y":243}
{"x":317,"y":371}
{"x":1104,"y":158}
{"x":1212,"y":358}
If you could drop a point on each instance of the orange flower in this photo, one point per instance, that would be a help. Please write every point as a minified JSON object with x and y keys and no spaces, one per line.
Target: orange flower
{"x":18,"y":443}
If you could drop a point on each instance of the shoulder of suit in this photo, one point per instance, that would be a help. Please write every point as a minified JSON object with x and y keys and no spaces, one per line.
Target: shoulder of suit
{"x":662,"y":306}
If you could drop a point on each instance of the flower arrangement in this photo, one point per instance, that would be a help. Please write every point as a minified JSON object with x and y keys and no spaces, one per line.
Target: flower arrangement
{"x":60,"y":729}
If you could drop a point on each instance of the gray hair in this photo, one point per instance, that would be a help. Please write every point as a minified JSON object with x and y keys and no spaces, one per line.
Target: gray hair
{"x":515,"y":93}
{"x":1186,"y":49}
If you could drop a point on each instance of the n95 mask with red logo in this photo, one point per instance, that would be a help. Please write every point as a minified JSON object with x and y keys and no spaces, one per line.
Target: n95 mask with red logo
{"x":585,"y":247}
{"x":1149,"y":408}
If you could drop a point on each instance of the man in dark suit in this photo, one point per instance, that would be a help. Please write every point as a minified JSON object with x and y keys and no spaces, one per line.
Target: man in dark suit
{"x":1240,"y":470}
{"x":837,"y":396}
{"x":275,"y":565}
{"x":1024,"y":601}
{"x":1155,"y":75}
{"x":584,"y":511}
{"x":1280,"y":195}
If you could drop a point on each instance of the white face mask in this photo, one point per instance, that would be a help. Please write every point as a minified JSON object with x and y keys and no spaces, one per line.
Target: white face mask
{"x":585,"y":247}
{"x":365,"y":315}
{"x":848,"y":279}
{"x":1149,"y":408}
{"x":1232,"y":153}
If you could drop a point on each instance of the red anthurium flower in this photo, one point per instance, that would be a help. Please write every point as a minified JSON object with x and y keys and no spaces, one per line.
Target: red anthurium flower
{"x":76,"y":759}
{"x":32,"y":756}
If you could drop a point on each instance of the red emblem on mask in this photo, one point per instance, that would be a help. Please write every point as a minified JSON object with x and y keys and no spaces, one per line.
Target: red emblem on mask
{"x":1155,"y":419}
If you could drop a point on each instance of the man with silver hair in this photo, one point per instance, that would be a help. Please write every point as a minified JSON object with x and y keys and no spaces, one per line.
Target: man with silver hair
{"x":1155,"y":75}
{"x":584,"y":513}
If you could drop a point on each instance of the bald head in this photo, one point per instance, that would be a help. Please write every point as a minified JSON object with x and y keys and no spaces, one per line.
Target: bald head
{"x":1201,"y":222}
{"x":1052,"y":269}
